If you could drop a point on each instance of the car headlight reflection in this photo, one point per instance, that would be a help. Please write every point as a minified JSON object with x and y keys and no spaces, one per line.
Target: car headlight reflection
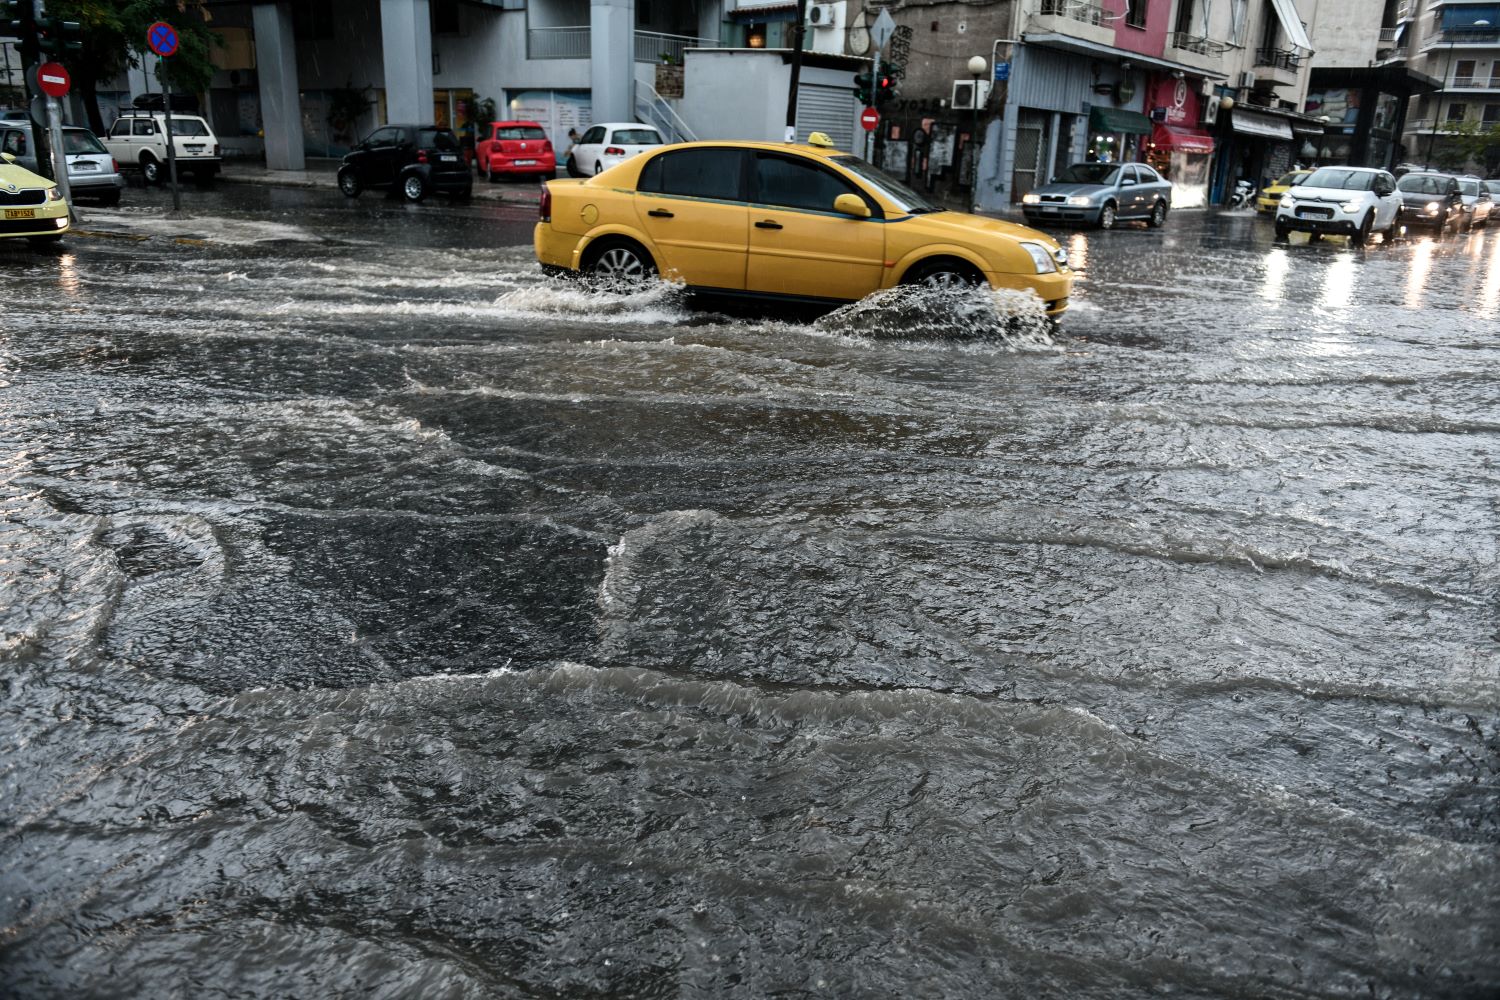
{"x":1286,"y":201}
{"x":54,"y":194}
{"x":1432,"y":208}
{"x":1041,"y":257}
{"x":1031,"y":199}
{"x":1079,"y":200}
{"x":1350,"y":207}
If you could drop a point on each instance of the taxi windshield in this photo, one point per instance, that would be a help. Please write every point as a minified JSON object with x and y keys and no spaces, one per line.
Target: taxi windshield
{"x":905,"y":198}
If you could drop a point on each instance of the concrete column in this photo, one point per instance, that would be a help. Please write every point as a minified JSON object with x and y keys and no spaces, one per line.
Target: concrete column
{"x":612,"y":66}
{"x":406,"y":43}
{"x":276,"y":70}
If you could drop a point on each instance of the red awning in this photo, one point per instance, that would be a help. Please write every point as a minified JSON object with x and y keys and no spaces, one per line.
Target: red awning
{"x":1184,"y":140}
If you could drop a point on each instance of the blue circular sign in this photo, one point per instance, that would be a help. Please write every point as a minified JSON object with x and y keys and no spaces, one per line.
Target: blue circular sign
{"x":162,"y":38}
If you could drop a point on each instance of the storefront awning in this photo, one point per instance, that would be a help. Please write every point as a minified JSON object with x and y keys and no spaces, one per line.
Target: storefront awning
{"x":1286,"y":13}
{"x":1183,"y":140}
{"x":1249,"y":123}
{"x":1303,"y":128}
{"x":1110,"y":120}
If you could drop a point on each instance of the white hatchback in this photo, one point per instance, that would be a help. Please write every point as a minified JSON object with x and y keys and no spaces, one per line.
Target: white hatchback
{"x":1342,"y":201}
{"x":604,"y":146}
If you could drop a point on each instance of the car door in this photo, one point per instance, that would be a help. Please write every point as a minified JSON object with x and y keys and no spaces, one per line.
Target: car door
{"x":118,"y":142}
{"x":1389,"y":204}
{"x":798,"y":244}
{"x":586,"y":152}
{"x":691,"y":203}
{"x":378,"y":164}
{"x":1130,"y":191}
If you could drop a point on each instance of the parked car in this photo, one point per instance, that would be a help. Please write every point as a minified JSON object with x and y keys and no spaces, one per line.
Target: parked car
{"x":1101,"y":194}
{"x":410,"y":160}
{"x":31,"y":206}
{"x":139,"y":139}
{"x":515,"y":147}
{"x":604,"y":146}
{"x":92,"y":172}
{"x":1341,"y":201}
{"x":1429,"y":199}
{"x":1478,"y":204}
{"x":797,"y":222}
{"x":1270,"y":198}
{"x":1493,"y":187}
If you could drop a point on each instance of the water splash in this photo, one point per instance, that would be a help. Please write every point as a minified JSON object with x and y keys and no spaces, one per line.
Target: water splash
{"x":918,"y":312}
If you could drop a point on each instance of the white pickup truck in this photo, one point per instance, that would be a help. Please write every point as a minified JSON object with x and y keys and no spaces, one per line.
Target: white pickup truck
{"x":139,"y":139}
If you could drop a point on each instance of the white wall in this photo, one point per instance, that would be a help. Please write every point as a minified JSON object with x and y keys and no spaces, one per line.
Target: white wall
{"x":741,"y":93}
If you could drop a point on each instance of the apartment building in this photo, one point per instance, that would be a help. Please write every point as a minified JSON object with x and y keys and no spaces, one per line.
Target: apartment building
{"x":1457,"y":44}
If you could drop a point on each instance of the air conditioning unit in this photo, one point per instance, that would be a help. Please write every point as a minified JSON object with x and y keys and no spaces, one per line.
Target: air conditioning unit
{"x":970,"y":95}
{"x":1206,"y":87}
{"x":821,"y":15}
{"x":1247,"y":79}
{"x":1211,"y":109}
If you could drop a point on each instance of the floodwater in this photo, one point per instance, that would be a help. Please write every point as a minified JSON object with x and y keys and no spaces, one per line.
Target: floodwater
{"x":383,"y":619}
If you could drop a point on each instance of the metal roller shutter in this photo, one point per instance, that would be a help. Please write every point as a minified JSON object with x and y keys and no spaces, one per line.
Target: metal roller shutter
{"x":826,"y":109}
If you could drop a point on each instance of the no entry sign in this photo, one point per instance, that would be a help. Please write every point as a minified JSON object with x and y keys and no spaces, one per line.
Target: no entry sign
{"x":869,"y":117}
{"x":162,"y":38}
{"x":53,"y":79}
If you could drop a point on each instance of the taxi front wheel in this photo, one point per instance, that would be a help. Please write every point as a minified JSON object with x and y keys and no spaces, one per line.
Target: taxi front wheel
{"x":619,"y":263}
{"x":944,"y":274}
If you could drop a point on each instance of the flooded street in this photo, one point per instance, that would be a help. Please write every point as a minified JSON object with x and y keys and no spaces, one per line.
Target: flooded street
{"x":382,"y":618}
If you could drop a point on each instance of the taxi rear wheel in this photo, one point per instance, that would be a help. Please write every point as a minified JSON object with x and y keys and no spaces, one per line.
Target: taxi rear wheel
{"x":619,"y":263}
{"x":944,"y":273}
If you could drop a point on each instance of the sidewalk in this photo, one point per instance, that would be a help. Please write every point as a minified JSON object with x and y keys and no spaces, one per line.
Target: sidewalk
{"x":322,"y":174}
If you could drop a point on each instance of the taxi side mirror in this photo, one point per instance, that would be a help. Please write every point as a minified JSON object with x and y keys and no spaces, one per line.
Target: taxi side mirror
{"x":851,"y":204}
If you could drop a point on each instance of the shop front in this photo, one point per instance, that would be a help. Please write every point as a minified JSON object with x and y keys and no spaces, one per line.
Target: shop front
{"x":1363,"y":113}
{"x":1179,"y":150}
{"x":1117,"y":135}
{"x":1256,"y":146}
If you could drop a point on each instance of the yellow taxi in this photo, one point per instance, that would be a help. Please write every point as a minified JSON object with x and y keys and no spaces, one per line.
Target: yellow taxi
{"x":31,"y":206}
{"x":1271,"y":196}
{"x":797,"y":222}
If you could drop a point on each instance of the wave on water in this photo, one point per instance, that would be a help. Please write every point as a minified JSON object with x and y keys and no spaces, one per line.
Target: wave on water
{"x":999,"y":316}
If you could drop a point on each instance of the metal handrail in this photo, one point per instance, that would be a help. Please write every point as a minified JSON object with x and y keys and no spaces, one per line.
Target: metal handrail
{"x":651,"y":46}
{"x":1078,"y":10}
{"x":1476,"y":83}
{"x":1278,"y":58}
{"x":575,"y":41}
{"x":651,"y":105}
{"x":1388,"y":36}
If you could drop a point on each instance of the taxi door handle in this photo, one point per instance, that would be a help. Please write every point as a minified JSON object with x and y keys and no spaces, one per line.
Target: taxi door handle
{"x":768,"y":224}
{"x":661,"y":213}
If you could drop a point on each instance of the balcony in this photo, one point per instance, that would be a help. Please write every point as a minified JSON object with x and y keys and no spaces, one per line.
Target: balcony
{"x":1406,"y":10}
{"x":1461,"y":37}
{"x":1278,"y":67}
{"x":1076,"y":18}
{"x":1388,"y":36}
{"x":1474,"y":83}
{"x":574,"y":43}
{"x":1196,"y":50}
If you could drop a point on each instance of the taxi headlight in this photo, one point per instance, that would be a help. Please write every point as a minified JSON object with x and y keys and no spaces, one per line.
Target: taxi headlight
{"x":1350,"y":207}
{"x":1432,"y":208}
{"x":54,"y":194}
{"x":1031,"y":199}
{"x":1286,"y":201}
{"x":1040,"y":257}
{"x":1080,"y":200}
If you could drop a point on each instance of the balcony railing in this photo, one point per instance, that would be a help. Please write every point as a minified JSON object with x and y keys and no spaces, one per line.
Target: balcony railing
{"x":1463,"y":36}
{"x":1406,"y":9}
{"x":1278,"y":59}
{"x":574,"y":43}
{"x":1475,"y":83}
{"x":1077,"y":10}
{"x":1388,"y":36}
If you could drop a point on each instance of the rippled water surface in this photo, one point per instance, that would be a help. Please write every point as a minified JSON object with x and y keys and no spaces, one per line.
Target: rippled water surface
{"x":383,"y":619}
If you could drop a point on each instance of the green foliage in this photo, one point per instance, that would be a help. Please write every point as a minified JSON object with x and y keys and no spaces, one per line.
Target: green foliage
{"x":1465,"y":143}
{"x":346,"y":105}
{"x":114,"y":38}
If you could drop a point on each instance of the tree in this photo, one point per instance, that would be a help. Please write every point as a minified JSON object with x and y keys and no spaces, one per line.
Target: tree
{"x":114,"y":41}
{"x":1468,"y":142}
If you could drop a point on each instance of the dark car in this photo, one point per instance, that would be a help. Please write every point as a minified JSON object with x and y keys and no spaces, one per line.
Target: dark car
{"x":1101,"y":194}
{"x":411,"y":160}
{"x":1429,"y":199}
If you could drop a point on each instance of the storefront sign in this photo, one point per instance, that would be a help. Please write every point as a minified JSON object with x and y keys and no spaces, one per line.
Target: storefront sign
{"x":1180,"y":103}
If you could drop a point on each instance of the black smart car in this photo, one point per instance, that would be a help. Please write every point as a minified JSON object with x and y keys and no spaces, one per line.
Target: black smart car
{"x":412,"y":160}
{"x":1429,"y":199}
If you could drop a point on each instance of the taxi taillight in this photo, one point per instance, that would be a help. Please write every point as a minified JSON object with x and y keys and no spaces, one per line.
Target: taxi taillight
{"x":544,"y":206}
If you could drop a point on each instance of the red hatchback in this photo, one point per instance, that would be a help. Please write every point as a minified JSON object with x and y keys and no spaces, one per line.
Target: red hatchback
{"x":514,"y":148}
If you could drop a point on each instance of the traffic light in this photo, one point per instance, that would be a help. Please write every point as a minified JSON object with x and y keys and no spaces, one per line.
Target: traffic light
{"x":885,"y":89}
{"x":54,"y":36}
{"x":864,"y":89}
{"x":15,"y":18}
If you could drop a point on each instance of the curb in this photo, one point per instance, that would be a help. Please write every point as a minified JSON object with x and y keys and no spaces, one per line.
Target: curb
{"x":482,"y":192}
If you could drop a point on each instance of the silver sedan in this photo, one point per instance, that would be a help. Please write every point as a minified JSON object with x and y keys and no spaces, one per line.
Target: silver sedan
{"x":1101,"y":194}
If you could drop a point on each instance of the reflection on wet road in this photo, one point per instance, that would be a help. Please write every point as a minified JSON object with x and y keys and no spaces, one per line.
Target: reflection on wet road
{"x":383,"y":618}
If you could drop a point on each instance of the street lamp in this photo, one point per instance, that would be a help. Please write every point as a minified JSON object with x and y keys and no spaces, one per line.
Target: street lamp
{"x":977,"y":68}
{"x":1438,"y":108}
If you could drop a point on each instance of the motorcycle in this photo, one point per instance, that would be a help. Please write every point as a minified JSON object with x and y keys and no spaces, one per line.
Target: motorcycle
{"x":1243,"y":194}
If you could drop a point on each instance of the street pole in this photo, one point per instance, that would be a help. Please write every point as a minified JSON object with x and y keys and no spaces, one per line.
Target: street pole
{"x":59,"y":155}
{"x":1437,"y":110}
{"x":874,"y":83}
{"x":791,"y":93}
{"x":166,"y":90}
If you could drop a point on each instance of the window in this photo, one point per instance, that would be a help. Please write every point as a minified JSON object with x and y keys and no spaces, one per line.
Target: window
{"x":696,"y":173}
{"x":189,"y":127}
{"x":1463,"y":72}
{"x":593,"y":135}
{"x":1423,"y":184}
{"x":382,"y":137}
{"x":437,"y":138}
{"x":1457,"y":112}
{"x":1342,"y":179}
{"x":795,"y":183}
{"x":77,"y":142}
{"x":445,"y":17}
{"x":121,"y":127}
{"x":1148,"y":176}
{"x":1184,"y":17}
{"x":1090,"y":173}
{"x":144,"y":127}
{"x":636,"y":137}
{"x":1491,"y":115}
{"x":526,"y":132}
{"x":1128,"y":176}
{"x":1135,"y":13}
{"x":14,"y":143}
{"x":1270,"y":28}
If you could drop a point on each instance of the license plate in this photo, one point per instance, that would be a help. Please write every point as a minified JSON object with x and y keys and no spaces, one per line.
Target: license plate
{"x":1052,"y":210}
{"x":85,"y":166}
{"x":194,"y":149}
{"x":20,"y":213}
{"x":525,"y":163}
{"x":1315,"y":213}
{"x":448,"y":159}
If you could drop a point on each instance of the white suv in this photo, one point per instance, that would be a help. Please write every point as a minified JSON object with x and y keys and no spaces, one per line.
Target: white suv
{"x":139,"y":139}
{"x":1343,"y":201}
